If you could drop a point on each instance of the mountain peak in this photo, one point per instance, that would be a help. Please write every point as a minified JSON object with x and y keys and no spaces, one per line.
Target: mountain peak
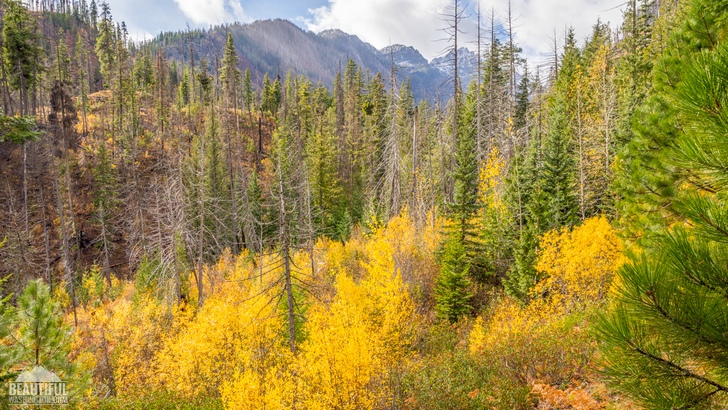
{"x":274,"y":47}
{"x":332,"y":33}
{"x":404,"y":56}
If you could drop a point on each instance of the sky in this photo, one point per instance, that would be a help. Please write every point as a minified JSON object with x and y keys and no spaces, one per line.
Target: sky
{"x":417,"y":23}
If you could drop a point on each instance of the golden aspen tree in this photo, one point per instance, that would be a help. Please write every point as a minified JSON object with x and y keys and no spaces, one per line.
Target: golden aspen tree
{"x":237,"y":328}
{"x":356,"y":343}
{"x":495,"y":215}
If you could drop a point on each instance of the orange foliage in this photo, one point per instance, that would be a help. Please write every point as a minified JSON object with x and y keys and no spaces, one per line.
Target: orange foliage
{"x":573,"y":397}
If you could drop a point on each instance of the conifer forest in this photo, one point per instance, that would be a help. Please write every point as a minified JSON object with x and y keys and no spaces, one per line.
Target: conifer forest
{"x":182,"y":229}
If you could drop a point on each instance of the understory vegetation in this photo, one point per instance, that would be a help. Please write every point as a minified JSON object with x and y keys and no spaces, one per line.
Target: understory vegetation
{"x":196,"y":234}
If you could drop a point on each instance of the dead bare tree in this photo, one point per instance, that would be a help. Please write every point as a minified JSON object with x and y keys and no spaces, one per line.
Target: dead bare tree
{"x":392,"y":172}
{"x":453,"y":16}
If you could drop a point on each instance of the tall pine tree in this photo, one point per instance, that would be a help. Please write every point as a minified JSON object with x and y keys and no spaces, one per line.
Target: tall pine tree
{"x":664,"y":340}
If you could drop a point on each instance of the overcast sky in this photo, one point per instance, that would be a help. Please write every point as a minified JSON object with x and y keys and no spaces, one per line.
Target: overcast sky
{"x":417,"y":23}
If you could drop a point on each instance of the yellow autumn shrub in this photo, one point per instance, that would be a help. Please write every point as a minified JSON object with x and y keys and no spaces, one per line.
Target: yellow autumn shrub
{"x":355,"y":338}
{"x":237,"y":328}
{"x":337,"y":256}
{"x":414,"y":250}
{"x":359,"y":328}
{"x":357,"y":341}
{"x":138,"y":330}
{"x":578,"y":265}
{"x":124,"y":336}
{"x":268,"y":384}
{"x":546,"y":340}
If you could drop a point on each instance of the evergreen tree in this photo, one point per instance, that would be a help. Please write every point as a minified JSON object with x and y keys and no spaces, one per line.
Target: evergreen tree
{"x":62,"y":62}
{"x":105,"y":44}
{"x":496,"y":98}
{"x":644,"y":180}
{"x":542,"y":195}
{"x":464,"y":209}
{"x":452,"y":287}
{"x":265,"y":93}
{"x":270,"y":95}
{"x":18,"y":130}
{"x":105,"y":204}
{"x":21,"y":51}
{"x":375,"y":110}
{"x":93,"y":13}
{"x":230,"y":78}
{"x":525,"y":201}
{"x":230,"y":74}
{"x":351,"y":139}
{"x":229,"y":61}
{"x":204,"y":79}
{"x":556,"y":178}
{"x":522,"y":274}
{"x":326,"y":192}
{"x":634,"y":67}
{"x":523,"y":94}
{"x":466,"y":169}
{"x":215,"y":183}
{"x":664,"y":341}
{"x":143,"y":71}
{"x":82,"y":67}
{"x":43,"y":338}
{"x":183,"y":92}
{"x":248,"y":93}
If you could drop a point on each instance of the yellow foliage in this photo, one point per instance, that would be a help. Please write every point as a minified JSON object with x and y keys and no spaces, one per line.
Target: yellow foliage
{"x":269,"y":384}
{"x":341,"y":257}
{"x":578,"y":265}
{"x":431,"y":235}
{"x":490,"y":179}
{"x":413,"y":252}
{"x":136,"y":332}
{"x":237,"y":328}
{"x":95,"y":289}
{"x":545,"y":340}
{"x":358,"y":334}
{"x":357,"y":341}
{"x":494,"y":212}
{"x":92,"y":123}
{"x":121,"y":337}
{"x":60,"y":295}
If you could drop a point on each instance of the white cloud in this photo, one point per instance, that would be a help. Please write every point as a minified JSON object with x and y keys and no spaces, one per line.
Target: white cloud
{"x":238,"y":11}
{"x":419,"y":22}
{"x":385,"y":22}
{"x":213,"y":11}
{"x":537,"y":22}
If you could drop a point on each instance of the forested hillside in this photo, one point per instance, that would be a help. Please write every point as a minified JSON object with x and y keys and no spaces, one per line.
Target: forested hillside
{"x":265,"y":47}
{"x":177,"y":231}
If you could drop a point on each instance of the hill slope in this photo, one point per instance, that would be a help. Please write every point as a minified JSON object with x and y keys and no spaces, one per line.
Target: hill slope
{"x":278,"y":46}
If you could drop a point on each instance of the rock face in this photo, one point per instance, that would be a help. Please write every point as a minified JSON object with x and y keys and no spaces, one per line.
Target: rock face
{"x":467,"y":65}
{"x":278,"y":46}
